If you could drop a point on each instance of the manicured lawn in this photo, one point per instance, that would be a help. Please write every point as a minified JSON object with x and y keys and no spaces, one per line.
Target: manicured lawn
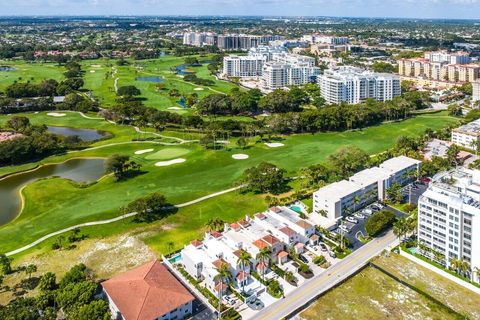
{"x":204,"y":172}
{"x":372,"y":295}
{"x":167,"y":153}
{"x":29,"y":71}
{"x":100,"y":76}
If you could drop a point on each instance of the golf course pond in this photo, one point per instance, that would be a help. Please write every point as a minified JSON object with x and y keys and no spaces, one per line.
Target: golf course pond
{"x":84,"y":134}
{"x":77,"y":169}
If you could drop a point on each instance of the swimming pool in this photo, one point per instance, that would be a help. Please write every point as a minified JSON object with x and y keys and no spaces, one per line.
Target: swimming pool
{"x":413,"y":250}
{"x":175,"y":259}
{"x":296,"y":209}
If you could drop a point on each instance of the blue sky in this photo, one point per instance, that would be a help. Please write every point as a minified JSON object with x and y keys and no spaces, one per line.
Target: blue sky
{"x":355,"y":8}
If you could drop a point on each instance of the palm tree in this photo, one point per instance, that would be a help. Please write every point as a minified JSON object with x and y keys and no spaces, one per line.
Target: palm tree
{"x":243,"y":261}
{"x":170,"y":246}
{"x":476,"y":271}
{"x":455,"y":264}
{"x":31,"y":268}
{"x":356,"y":200}
{"x":222,"y":276}
{"x":400,"y":228}
{"x":265,"y":255}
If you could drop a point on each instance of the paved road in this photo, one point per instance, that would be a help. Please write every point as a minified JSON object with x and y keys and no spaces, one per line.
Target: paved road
{"x":131,"y":214}
{"x":326,"y":280}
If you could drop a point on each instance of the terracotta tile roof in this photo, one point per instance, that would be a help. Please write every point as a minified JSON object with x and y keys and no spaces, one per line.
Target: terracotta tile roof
{"x":260,"y":244}
{"x":219,"y":262}
{"x":299,"y":245}
{"x":196,"y":243}
{"x":271,"y":240}
{"x":242,"y":275}
{"x":221,"y":285}
{"x":289,"y":232}
{"x":314,"y":237}
{"x":244,"y":223}
{"x":235,"y":226}
{"x":275,"y":209}
{"x":282,"y":254}
{"x":237,"y":253}
{"x":216,"y":234}
{"x":146,"y":292}
{"x":304,"y":224}
{"x":260,"y":216}
{"x":261,"y":265}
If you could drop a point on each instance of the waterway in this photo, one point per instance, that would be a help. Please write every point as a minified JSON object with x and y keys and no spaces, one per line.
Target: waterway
{"x":78,"y":170}
{"x":84,"y":134}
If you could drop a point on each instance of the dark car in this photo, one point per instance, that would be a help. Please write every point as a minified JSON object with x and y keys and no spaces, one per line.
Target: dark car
{"x":302,"y":257}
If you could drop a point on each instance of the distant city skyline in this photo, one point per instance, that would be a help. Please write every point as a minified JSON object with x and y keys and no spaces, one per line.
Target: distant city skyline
{"x":434,"y":9}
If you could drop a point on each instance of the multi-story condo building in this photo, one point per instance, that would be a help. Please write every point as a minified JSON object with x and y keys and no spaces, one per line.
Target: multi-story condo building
{"x":243,"y":66}
{"x":337,"y":199}
{"x":468,"y":135}
{"x":227,"y":41}
{"x":318,"y":38}
{"x":441,"y":66}
{"x":353,"y":85}
{"x":277,"y":75}
{"x":267,"y":52}
{"x":448,"y":57}
{"x":449,"y":217}
{"x":476,"y":91}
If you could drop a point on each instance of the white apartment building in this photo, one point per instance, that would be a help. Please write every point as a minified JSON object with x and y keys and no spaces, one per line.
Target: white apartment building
{"x":347,"y":196}
{"x":318,"y":38}
{"x":467,"y":134}
{"x":449,"y":216}
{"x":353,"y":85}
{"x":476,"y":91}
{"x":448,"y":57}
{"x":267,"y":52}
{"x":243,"y":66}
{"x":287,"y":70}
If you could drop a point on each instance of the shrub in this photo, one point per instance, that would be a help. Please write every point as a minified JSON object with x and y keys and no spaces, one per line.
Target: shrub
{"x":319,"y":260}
{"x":379,"y":222}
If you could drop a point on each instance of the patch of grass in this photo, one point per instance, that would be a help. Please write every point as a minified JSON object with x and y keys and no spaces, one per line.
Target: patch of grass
{"x":372,"y":295}
{"x":448,"y":292}
{"x":167,"y":153}
{"x":34,"y":72}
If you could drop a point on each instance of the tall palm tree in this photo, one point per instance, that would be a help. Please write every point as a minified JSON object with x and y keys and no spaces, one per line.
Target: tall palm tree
{"x":356,"y":200}
{"x":223,"y":276}
{"x":400,"y":228}
{"x":243,"y":262}
{"x":265,"y":255}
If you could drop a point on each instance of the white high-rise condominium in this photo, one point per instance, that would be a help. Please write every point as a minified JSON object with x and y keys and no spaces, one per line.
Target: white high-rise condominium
{"x":353,"y":85}
{"x":285,"y":72}
{"x":243,"y":66}
{"x":476,"y":91}
{"x":449,"y":217}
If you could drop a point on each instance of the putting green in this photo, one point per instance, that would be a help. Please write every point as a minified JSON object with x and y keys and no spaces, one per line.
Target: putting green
{"x":167,"y":153}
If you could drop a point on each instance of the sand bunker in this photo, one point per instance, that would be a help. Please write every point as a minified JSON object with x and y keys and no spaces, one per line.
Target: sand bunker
{"x":92,"y":71}
{"x":169,"y":162}
{"x":175,"y":108}
{"x":240,"y":156}
{"x":143,"y":151}
{"x":274,"y":144}
{"x":198,"y":89}
{"x":56,"y":114}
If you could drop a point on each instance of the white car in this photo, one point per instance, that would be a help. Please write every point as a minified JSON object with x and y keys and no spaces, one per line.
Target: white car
{"x":358,"y":215}
{"x":351,"y":219}
{"x":367,"y":211}
{"x":343,"y":228}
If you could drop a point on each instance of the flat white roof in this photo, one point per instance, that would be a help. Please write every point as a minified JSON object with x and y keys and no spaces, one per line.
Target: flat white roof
{"x":338,"y":190}
{"x":399,"y":163}
{"x":370,"y":176}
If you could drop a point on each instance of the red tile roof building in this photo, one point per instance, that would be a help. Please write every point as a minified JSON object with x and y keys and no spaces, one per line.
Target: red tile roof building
{"x":148,"y":292}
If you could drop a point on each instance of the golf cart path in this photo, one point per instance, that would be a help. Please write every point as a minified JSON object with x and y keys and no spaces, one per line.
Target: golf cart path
{"x":131,"y":214}
{"x":181,"y":141}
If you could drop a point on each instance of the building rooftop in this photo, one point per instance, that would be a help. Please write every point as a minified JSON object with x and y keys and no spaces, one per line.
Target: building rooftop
{"x":369,"y":176}
{"x":399,"y":163}
{"x":469,"y":128}
{"x":338,"y":189}
{"x":146,"y":292}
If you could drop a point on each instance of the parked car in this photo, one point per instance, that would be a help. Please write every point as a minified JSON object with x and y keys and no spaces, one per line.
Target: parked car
{"x":332,"y":254}
{"x":303,"y":258}
{"x":323,"y":247}
{"x":367,"y":211}
{"x":351,"y":219}
{"x":343,"y":228}
{"x":358,"y":215}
